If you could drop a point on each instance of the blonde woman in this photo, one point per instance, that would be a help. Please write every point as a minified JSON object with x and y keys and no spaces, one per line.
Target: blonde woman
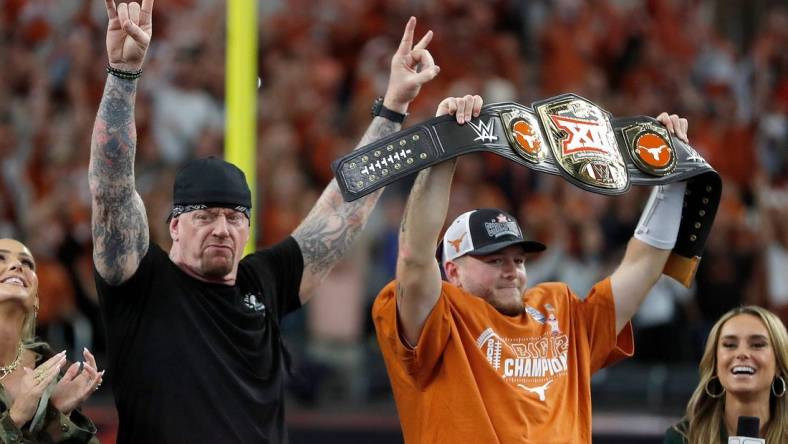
{"x":37,"y":403}
{"x":742,"y":373}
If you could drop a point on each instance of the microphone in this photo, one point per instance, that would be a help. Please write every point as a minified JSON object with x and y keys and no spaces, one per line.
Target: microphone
{"x":747,"y":431}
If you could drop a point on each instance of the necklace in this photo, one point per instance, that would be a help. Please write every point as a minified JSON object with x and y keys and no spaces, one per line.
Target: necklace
{"x":8,"y":369}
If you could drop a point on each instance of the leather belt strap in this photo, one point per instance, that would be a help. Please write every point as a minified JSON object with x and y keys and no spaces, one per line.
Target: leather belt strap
{"x":566,"y":135}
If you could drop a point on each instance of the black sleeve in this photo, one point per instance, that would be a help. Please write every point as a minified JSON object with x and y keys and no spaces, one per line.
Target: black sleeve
{"x":281,"y":265}
{"x":115,"y":300}
{"x":123,"y":307}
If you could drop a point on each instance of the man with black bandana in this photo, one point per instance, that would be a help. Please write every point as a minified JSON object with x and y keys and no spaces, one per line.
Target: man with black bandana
{"x":193,"y":335}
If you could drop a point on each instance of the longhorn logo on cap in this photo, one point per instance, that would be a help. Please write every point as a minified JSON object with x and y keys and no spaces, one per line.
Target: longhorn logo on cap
{"x":456,"y":243}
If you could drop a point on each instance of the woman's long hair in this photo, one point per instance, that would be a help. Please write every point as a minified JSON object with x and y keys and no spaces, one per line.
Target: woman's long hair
{"x":705,"y":413}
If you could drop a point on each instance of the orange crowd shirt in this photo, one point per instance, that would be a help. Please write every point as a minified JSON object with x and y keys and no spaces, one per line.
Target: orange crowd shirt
{"x":478,"y":376}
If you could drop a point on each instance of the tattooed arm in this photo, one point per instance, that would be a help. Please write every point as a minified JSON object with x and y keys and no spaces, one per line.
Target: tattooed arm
{"x":332,"y":226}
{"x":418,"y":273}
{"x":119,"y":225}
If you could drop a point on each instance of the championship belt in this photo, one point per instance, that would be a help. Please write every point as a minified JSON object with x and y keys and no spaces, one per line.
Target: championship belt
{"x":566,"y":135}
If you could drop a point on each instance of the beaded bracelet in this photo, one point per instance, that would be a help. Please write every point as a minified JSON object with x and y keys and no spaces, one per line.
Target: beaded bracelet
{"x":125,"y":75}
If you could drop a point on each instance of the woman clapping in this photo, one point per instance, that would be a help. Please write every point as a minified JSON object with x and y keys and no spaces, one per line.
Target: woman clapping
{"x":38,"y":403}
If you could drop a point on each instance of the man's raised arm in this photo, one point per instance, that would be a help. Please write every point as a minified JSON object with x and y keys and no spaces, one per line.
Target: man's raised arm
{"x":654,"y":238}
{"x":418,"y":273}
{"x":119,"y":222}
{"x":333,"y":225}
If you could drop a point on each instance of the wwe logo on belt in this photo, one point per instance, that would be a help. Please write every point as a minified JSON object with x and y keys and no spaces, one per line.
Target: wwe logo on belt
{"x":484,"y":131}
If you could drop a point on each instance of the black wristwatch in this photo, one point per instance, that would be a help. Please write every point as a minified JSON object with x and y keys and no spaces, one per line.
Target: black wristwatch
{"x":379,"y":110}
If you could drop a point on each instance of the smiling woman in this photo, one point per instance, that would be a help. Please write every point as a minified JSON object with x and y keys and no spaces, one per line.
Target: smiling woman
{"x":742,"y":373}
{"x":37,"y":402}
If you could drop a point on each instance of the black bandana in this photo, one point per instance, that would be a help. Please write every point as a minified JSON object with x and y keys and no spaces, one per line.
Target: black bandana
{"x":177,"y":210}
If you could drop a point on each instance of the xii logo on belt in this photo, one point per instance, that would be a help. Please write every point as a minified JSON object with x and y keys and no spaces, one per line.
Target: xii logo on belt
{"x":583,"y":143}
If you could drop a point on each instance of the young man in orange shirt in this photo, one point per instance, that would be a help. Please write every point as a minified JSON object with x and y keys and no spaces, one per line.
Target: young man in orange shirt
{"x":479,"y":358}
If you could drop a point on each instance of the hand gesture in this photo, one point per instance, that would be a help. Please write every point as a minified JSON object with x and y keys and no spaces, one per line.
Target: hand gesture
{"x":675,"y":125}
{"x":129,"y":32}
{"x":32,"y":386}
{"x":463,"y":108}
{"x":76,"y":386}
{"x":411,"y":67}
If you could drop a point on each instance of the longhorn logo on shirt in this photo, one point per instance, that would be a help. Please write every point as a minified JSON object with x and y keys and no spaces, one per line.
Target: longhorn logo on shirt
{"x":540,"y":391}
{"x":525,"y":137}
{"x":654,"y":151}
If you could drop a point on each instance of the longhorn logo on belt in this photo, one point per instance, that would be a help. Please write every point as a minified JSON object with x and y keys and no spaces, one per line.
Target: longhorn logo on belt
{"x":650,"y":147}
{"x":653,"y":150}
{"x":525,"y":137}
{"x":522,"y":130}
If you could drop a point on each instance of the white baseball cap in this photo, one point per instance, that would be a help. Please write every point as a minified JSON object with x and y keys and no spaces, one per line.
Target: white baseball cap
{"x":484,"y":231}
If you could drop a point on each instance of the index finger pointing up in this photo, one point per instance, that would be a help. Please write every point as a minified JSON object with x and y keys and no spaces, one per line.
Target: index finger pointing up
{"x":146,"y":12}
{"x":407,"y":37}
{"x":112,"y":11}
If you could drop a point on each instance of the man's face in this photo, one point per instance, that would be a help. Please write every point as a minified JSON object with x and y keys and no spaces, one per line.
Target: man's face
{"x":209,"y":243}
{"x":498,"y":278}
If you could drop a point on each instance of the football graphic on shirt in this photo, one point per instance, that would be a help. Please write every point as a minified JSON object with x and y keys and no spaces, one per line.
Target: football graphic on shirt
{"x":531,"y":364}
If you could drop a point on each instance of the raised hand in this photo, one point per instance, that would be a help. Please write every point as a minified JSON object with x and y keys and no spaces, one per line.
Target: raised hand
{"x":462,"y":108}
{"x":411,"y":67}
{"x":675,"y":125}
{"x":129,"y":32}
{"x":32,"y":386}
{"x":76,"y":386}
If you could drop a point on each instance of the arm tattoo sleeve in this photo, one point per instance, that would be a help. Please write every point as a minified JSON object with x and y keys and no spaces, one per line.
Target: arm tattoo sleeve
{"x":333,"y":224}
{"x":120,"y":226}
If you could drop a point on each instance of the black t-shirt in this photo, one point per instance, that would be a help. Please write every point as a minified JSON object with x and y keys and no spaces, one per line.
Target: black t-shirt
{"x":194,"y":362}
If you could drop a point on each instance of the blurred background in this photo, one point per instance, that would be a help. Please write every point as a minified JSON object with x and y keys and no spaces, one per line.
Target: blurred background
{"x":722,"y":64}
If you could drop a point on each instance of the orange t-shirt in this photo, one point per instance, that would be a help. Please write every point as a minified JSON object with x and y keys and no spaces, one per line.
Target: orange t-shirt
{"x":478,"y":376}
